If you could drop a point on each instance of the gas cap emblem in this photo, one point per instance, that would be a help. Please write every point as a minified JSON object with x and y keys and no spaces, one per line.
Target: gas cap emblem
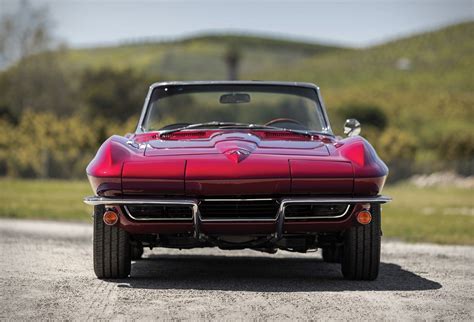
{"x":237,"y":155}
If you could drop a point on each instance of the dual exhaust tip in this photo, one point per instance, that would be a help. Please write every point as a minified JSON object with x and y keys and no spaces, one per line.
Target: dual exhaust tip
{"x":110,"y":217}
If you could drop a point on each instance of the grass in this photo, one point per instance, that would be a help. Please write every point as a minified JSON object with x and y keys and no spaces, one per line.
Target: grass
{"x":442,"y":215}
{"x":439,"y":215}
{"x":44,"y":199}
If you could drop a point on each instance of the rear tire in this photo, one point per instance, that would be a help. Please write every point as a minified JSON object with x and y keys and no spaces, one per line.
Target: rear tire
{"x":111,"y":248}
{"x":361,"y":252}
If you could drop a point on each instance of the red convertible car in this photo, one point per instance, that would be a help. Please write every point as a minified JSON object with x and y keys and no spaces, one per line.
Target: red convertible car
{"x":237,"y":165}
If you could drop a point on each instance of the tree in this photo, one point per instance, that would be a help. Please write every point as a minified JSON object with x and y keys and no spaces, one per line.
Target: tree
{"x":112,"y":94}
{"x":24,"y":32}
{"x":232,"y":58}
{"x":34,"y":79}
{"x":366,"y":114}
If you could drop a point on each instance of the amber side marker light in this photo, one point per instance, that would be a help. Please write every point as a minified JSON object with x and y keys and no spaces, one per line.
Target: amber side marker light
{"x":110,"y":217}
{"x":364,"y":217}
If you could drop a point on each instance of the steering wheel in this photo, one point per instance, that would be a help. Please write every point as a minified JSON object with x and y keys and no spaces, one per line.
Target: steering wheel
{"x":283,"y":120}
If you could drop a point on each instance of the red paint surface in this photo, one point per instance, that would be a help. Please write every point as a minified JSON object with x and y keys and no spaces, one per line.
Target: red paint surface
{"x":321,"y":177}
{"x":154,"y":177}
{"x":256,"y":175}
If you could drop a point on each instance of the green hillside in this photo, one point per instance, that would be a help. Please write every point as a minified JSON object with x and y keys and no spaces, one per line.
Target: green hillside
{"x":437,"y":59}
{"x":416,"y":79}
{"x":201,"y":57}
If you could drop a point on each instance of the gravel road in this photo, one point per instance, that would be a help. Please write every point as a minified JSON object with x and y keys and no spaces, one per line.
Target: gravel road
{"x":46,"y":273}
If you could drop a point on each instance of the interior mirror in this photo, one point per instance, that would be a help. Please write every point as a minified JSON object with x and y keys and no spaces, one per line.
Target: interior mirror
{"x":235,"y":98}
{"x":352,"y":127}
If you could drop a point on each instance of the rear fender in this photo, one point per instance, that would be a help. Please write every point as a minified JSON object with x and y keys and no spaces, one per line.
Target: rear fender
{"x":105,"y":170}
{"x":370,"y":171}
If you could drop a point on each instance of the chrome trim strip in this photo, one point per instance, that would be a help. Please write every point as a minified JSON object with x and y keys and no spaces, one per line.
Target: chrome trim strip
{"x":280,"y":222}
{"x":323,"y":108}
{"x":95,"y":201}
{"x":239,"y":219}
{"x":193,"y":214}
{"x":314,"y":217}
{"x":377,"y":199}
{"x":236,"y":199}
{"x":197,"y":225}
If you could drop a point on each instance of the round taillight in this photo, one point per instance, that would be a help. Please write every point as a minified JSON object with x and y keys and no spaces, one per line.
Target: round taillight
{"x":110,"y":217}
{"x":364,"y":217}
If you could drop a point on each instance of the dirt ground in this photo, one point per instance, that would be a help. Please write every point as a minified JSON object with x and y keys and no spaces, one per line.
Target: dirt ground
{"x":46,"y":273}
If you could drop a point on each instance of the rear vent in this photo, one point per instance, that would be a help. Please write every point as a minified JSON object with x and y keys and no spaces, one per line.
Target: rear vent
{"x":185,"y":135}
{"x":160,"y":212}
{"x":283,"y":135}
{"x":238,"y":209}
{"x":312,"y":211}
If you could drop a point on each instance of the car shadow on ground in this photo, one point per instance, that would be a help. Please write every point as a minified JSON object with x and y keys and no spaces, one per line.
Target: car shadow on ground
{"x":262,"y":274}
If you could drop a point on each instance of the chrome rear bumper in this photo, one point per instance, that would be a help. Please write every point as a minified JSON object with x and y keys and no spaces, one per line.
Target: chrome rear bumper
{"x":278,"y":220}
{"x":95,"y":200}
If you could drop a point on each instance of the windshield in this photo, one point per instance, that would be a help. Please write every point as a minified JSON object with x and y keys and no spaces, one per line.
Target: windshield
{"x":221,"y":106}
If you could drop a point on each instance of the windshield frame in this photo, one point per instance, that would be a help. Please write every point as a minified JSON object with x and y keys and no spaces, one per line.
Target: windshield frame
{"x":154,"y":87}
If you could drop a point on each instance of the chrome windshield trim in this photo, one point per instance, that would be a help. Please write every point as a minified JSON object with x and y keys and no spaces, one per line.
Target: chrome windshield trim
{"x":326,"y":130}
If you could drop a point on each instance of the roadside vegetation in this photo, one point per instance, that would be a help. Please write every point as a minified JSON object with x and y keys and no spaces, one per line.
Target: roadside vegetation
{"x":44,"y":199}
{"x":440,"y":214}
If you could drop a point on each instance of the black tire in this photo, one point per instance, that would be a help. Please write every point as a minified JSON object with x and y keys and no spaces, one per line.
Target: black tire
{"x":361,"y":252}
{"x":332,"y":254}
{"x":137,"y":252}
{"x":111,"y":249}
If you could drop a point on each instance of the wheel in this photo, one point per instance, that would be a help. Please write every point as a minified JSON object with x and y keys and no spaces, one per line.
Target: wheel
{"x":361,"y":251}
{"x":137,"y":252}
{"x":111,"y":248}
{"x":332,"y":254}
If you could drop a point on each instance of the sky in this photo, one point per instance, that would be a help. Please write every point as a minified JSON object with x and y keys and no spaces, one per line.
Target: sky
{"x":352,"y":23}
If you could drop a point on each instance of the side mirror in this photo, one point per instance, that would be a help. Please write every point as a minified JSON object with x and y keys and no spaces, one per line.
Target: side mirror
{"x":351,"y":127}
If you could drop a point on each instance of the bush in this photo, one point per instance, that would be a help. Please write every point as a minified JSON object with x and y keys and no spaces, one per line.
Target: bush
{"x":44,"y":145}
{"x":115,"y":95}
{"x":398,"y":150}
{"x":367,"y":115}
{"x":458,"y":151}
